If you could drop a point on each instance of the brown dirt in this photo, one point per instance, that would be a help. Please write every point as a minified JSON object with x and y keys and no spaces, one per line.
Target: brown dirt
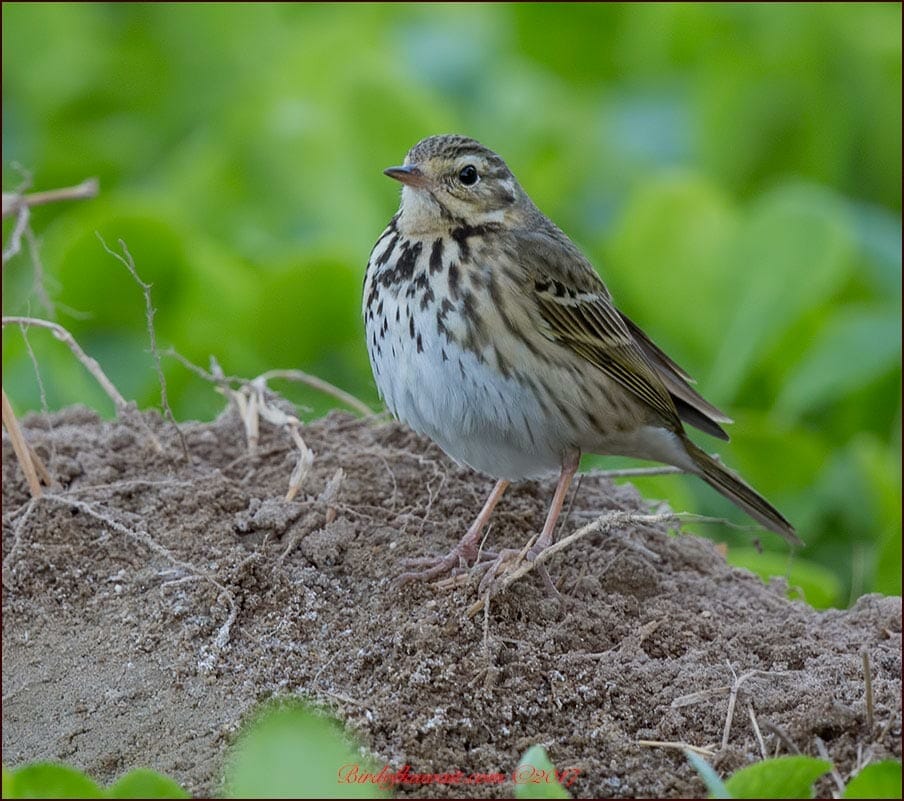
{"x":118,"y":590}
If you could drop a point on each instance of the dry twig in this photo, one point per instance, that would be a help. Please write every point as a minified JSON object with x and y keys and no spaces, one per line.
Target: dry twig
{"x":702,"y":750}
{"x":67,"y":339}
{"x":322,"y":386}
{"x":13,"y":201}
{"x":782,"y":735}
{"x":29,"y":461}
{"x":756,"y":730}
{"x":90,"y":364}
{"x":700,"y":695}
{"x":250,"y":398}
{"x":19,"y":204}
{"x":129,"y":263}
{"x":836,"y":776}
{"x":733,"y":696}
{"x":868,"y":681}
{"x":252,"y":403}
{"x":604,"y":523}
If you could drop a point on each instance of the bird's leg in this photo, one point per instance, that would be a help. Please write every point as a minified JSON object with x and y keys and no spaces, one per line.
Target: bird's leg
{"x":465,"y":551}
{"x":569,"y":468}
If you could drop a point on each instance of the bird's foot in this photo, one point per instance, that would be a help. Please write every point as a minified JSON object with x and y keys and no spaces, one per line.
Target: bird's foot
{"x":459,"y":560}
{"x":467,"y":552}
{"x":508,"y":561}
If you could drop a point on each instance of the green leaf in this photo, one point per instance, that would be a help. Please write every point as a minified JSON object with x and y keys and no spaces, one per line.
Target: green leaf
{"x":536,"y":776}
{"x":669,"y":251}
{"x":710,"y":778}
{"x":793,"y":253}
{"x":292,"y":752}
{"x":783,"y":777}
{"x":47,"y":780}
{"x":8,"y":783}
{"x":881,"y":780}
{"x":866,"y":341}
{"x":144,"y":783}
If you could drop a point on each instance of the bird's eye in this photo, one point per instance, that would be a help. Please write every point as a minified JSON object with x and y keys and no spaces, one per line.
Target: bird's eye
{"x":468,"y":175}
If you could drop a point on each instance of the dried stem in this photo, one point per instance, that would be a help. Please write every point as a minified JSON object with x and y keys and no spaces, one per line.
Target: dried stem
{"x":676,"y":745}
{"x":37,"y":268}
{"x":19,"y":204}
{"x":216,"y":377}
{"x":67,"y":339}
{"x":129,"y":263}
{"x":733,"y":696}
{"x":606,"y":522}
{"x":250,"y":398}
{"x":868,"y":681}
{"x":322,"y":386}
{"x":28,"y":459}
{"x":87,"y":362}
{"x":289,"y":375}
{"x":15,"y":238}
{"x":12,"y":201}
{"x":782,"y":735}
{"x":252,"y":404}
{"x":756,"y":731}
{"x":836,"y":776}
{"x":42,"y":391}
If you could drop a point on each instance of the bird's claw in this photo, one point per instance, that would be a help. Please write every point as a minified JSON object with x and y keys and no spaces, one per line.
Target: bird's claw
{"x":456,"y":562}
{"x":508,"y":561}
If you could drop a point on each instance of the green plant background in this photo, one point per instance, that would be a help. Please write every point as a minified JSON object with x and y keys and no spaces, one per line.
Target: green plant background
{"x":733,"y":170}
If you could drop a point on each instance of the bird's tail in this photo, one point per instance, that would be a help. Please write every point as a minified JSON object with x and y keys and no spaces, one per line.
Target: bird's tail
{"x":741,"y":494}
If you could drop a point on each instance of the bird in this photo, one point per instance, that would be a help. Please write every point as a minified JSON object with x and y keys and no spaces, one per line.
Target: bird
{"x":491,"y":333}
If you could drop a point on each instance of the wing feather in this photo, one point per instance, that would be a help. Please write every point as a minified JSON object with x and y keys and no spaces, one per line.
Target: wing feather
{"x":578,"y":309}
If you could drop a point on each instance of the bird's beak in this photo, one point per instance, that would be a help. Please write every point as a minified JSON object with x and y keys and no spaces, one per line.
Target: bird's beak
{"x":409,"y":175}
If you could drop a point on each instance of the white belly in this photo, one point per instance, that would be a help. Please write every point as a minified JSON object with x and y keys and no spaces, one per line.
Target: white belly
{"x":475,"y":414}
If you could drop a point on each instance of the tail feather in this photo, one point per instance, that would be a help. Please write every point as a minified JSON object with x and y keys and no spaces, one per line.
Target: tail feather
{"x":741,"y":494}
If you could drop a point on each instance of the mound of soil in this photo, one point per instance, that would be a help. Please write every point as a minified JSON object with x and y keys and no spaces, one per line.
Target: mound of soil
{"x":149,"y":604}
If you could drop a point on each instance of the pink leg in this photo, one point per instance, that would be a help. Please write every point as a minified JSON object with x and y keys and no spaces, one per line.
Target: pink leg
{"x":569,"y":468}
{"x":466,"y":550}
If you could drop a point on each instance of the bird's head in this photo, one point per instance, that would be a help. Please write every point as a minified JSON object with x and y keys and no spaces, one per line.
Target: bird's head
{"x":449,"y":180}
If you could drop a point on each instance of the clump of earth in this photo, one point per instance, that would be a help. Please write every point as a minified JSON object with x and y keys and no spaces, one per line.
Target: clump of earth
{"x":151,"y":602}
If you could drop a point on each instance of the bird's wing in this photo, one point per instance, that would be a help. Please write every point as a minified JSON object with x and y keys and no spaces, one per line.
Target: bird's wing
{"x":692,"y":407}
{"x":579,"y":312}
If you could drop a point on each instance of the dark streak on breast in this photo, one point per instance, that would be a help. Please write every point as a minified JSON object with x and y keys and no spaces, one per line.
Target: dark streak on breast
{"x":436,"y":257}
{"x":444,"y":309}
{"x":385,"y":255}
{"x":427,"y":298}
{"x":453,"y":281}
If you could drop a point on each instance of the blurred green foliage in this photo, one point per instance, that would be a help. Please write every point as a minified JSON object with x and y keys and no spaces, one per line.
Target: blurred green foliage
{"x":290,"y":750}
{"x":537,"y":777}
{"x":53,"y":780}
{"x":733,"y":170}
{"x":794,"y":777}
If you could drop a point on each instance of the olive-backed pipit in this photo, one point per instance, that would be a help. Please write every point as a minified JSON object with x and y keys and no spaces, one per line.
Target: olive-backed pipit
{"x":491,"y":333}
